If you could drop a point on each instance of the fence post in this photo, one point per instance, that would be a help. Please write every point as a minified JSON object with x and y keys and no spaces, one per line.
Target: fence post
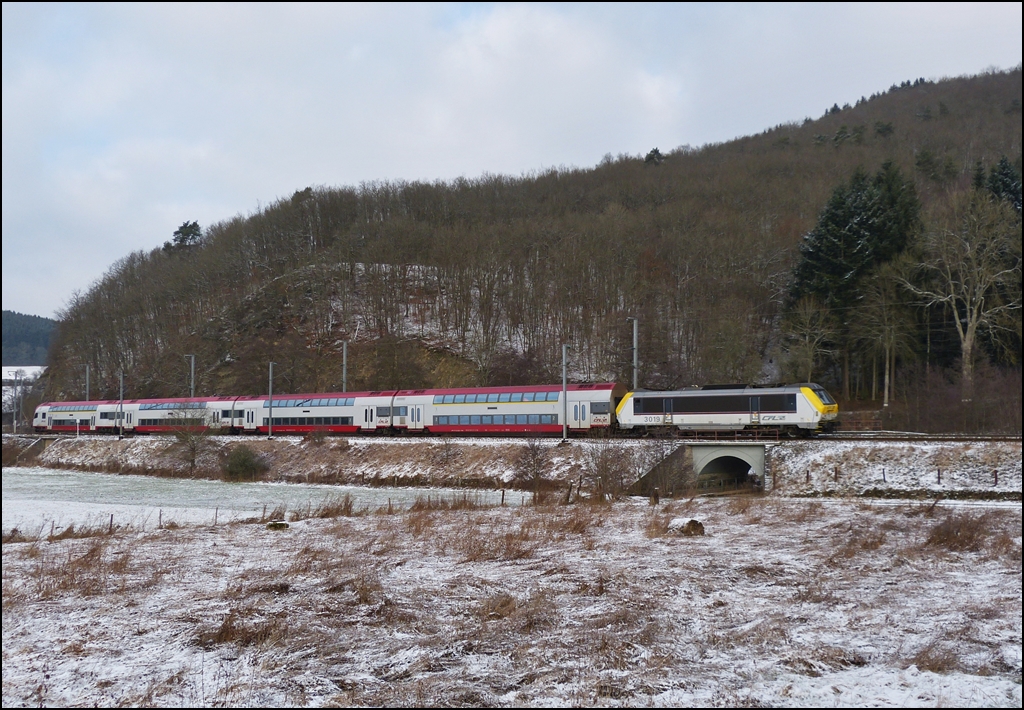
{"x":883,"y":474}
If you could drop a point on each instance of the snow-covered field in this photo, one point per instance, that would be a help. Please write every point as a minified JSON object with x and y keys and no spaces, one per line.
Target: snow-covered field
{"x":784,"y":601}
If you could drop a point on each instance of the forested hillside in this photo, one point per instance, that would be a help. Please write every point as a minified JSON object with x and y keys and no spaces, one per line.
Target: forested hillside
{"x":811,"y":251}
{"x":26,"y":339}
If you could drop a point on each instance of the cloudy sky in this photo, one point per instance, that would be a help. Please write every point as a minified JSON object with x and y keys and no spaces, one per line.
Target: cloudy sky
{"x":120,"y":122}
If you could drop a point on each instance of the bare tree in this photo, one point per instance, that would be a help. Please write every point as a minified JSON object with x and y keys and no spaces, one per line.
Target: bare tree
{"x":884,"y":325}
{"x":809,"y":331}
{"x":971,"y":263}
{"x":530,"y":467}
{"x":191,"y":429}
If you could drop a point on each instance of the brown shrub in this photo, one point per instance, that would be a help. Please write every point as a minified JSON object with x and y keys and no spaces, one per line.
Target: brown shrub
{"x":960,"y":532}
{"x":497,"y":606}
{"x":656,"y":525}
{"x":237,"y":629}
{"x":14,"y":535}
{"x":419,"y":521}
{"x":937,"y":659}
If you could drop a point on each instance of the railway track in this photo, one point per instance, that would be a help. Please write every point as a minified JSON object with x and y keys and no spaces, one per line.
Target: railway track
{"x":913,"y":437}
{"x":757,"y":436}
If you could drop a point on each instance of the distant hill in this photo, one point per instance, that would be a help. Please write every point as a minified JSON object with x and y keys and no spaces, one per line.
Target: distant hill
{"x":26,"y":339}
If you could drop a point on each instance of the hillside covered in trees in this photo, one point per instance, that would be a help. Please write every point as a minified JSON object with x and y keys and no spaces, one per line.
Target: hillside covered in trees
{"x":26,"y":339}
{"x":829,"y":250}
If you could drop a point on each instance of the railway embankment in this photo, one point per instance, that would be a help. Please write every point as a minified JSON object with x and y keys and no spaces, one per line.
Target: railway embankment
{"x":985,"y":470}
{"x":449,"y":462}
{"x":812,"y":468}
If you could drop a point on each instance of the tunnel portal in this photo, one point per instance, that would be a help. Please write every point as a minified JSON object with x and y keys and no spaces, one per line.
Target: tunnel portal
{"x":728,"y":466}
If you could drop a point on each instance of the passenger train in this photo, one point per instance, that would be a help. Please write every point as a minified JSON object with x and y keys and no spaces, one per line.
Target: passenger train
{"x":800,"y":409}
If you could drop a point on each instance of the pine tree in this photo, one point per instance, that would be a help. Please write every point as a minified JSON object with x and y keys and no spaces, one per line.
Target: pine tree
{"x":865,"y":223}
{"x":978,"y":181}
{"x":1005,"y":184}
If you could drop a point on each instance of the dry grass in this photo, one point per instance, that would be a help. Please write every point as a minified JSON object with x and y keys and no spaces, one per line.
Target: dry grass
{"x":419,"y":522}
{"x":801,"y":511}
{"x":740,"y":504}
{"x":961,"y":532}
{"x":96,"y":570}
{"x":574,"y":520}
{"x":497,"y":606}
{"x":859,"y":539}
{"x":511,"y":606}
{"x":463,"y":501}
{"x":15,"y":535}
{"x":656,"y":524}
{"x":333,"y":506}
{"x":516,"y":541}
{"x":937,"y":658}
{"x":821,"y":660}
{"x":242,"y":627}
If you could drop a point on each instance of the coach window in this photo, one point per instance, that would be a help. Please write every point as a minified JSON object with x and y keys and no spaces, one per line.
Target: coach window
{"x":517,"y":397}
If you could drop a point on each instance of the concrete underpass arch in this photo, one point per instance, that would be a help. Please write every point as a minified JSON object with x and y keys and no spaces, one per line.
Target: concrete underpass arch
{"x":733,"y":460}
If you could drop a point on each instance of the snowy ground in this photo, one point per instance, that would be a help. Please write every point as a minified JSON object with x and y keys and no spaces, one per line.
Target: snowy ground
{"x":784,"y":602}
{"x":878,"y":468}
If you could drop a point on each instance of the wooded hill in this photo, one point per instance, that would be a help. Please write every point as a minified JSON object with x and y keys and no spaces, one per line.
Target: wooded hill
{"x":480,"y":281}
{"x":26,"y":339}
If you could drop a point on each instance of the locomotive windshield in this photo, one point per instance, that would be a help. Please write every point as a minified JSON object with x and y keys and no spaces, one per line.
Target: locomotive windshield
{"x":824,"y":396}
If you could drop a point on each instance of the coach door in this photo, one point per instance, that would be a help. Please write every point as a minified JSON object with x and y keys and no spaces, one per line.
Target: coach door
{"x":580,"y":415}
{"x":250,"y":419}
{"x":368,"y":418}
{"x":416,"y":417}
{"x":755,"y":410}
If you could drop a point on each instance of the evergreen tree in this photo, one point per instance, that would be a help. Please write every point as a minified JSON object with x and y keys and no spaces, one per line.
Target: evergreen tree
{"x":867,"y":222}
{"x":1005,"y":184}
{"x":978,"y":181}
{"x":835,"y":252}
{"x":185,"y":236}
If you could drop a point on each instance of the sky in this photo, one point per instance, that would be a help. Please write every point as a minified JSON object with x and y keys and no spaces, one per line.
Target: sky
{"x":121,"y":122}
